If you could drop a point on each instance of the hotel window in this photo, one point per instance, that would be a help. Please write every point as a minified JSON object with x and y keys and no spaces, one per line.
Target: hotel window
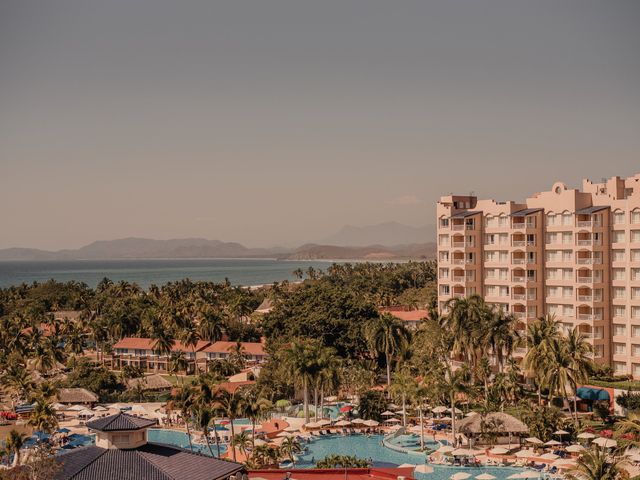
{"x":619,"y":311}
{"x":444,"y":273}
{"x":551,"y":219}
{"x":619,"y":293}
{"x":598,"y":351}
{"x":552,"y":292}
{"x":618,"y":255}
{"x":567,"y":292}
{"x":635,"y":255}
{"x":567,"y":273}
{"x":490,"y":239}
{"x":567,"y":310}
{"x":618,"y":218}
{"x":635,"y":350}
{"x":635,"y":274}
{"x":635,"y":236}
{"x":635,"y":217}
{"x":635,"y":331}
{"x":503,"y":274}
{"x":443,"y":240}
{"x":636,"y":369}
{"x":567,"y":219}
{"x":619,"y":348}
{"x":444,"y":256}
{"x":503,"y":221}
{"x":617,"y":236}
{"x":635,"y":312}
{"x":550,"y":238}
{"x":619,"y":330}
{"x":531,"y":293}
{"x":444,"y":290}
{"x":504,"y":238}
{"x":598,"y":332}
{"x":635,"y":293}
{"x":567,"y":256}
{"x":567,"y":238}
{"x":491,"y":221}
{"x":620,"y":367}
{"x":619,"y":273}
{"x":444,"y":223}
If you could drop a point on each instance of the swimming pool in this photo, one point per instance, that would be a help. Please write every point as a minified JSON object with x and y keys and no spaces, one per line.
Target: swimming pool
{"x":180,"y":439}
{"x":366,"y":447}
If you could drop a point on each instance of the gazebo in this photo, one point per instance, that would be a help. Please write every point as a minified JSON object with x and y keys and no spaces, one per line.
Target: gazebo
{"x":500,"y":425}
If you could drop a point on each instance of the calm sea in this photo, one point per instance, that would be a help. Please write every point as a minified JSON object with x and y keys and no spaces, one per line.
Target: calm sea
{"x":146,"y":272}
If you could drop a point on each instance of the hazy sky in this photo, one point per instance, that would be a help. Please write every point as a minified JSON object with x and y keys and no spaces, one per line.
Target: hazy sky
{"x":275,"y":122}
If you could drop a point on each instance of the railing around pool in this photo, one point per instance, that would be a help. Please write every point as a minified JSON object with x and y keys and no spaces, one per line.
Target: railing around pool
{"x":386,"y":442}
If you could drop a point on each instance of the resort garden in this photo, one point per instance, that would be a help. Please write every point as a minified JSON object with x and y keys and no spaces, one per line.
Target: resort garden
{"x":337,"y":365}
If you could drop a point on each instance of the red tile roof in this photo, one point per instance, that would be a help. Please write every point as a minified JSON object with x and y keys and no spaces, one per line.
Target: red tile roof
{"x":147,"y":344}
{"x":250,"y":348}
{"x":232,"y":387}
{"x":336,"y":474}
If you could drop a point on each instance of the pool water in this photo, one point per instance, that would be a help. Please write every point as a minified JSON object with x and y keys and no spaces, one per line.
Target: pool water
{"x":180,"y":439}
{"x":366,"y":447}
{"x":411,"y":441}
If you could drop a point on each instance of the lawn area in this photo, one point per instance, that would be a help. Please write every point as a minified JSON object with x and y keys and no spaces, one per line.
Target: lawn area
{"x":187,"y":379}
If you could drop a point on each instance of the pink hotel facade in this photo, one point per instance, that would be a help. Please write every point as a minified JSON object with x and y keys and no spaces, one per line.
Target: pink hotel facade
{"x":572,"y":253}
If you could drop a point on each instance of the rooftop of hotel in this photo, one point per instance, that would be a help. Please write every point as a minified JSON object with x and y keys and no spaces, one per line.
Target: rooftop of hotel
{"x":250,"y":348}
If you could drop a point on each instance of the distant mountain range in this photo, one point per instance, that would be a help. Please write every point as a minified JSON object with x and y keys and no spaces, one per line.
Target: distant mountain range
{"x":387,"y":233}
{"x":389,"y":240}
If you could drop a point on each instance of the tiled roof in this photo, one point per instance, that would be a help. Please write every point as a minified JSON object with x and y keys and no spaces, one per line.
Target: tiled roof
{"x":149,"y":462}
{"x":118,"y":422}
{"x":233,"y":387}
{"x":407,"y":315}
{"x":250,"y":348}
{"x":147,"y":344}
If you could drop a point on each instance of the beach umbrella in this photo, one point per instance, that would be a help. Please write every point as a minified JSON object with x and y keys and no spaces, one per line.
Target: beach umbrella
{"x":99,"y":408}
{"x":387,"y":413}
{"x":424,"y":469}
{"x":564,"y":462}
{"x":76,"y":408}
{"x":439,"y":409}
{"x":371,"y":423}
{"x":392,"y":420}
{"x":605,"y":442}
{"x":525,"y":474}
{"x":525,"y":453}
{"x":470,"y":414}
{"x":342,"y":423}
{"x":59,"y":406}
{"x":401,"y":412}
{"x":576,"y":448}
{"x":561,"y":432}
{"x":498,"y":451}
{"x":324,"y":422}
{"x":359,"y":421}
{"x":586,"y":435}
{"x":457,"y":412}
{"x":550,"y":456}
{"x":552,"y":443}
{"x":533,"y":440}
{"x":259,"y":442}
{"x":346,"y":409}
{"x":485,"y":476}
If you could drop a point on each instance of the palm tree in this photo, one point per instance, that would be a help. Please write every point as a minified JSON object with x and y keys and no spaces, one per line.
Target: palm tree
{"x":465,"y":322}
{"x":13,"y":443}
{"x":501,"y":335}
{"x":629,"y":426}
{"x":185,"y":402}
{"x":204,"y":416}
{"x":231,"y":404}
{"x":558,"y":369}
{"x":404,"y":385}
{"x":579,"y":352}
{"x":299,"y":360}
{"x":162,"y":341}
{"x":255,"y":407}
{"x":541,"y":335}
{"x":389,"y":336}
{"x":178,"y":363}
{"x":241,"y":441}
{"x":452,"y":384}
{"x":290,"y":446}
{"x":596,"y":464}
{"x":43,"y":417}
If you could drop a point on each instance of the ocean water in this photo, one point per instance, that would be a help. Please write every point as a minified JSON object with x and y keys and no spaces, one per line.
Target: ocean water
{"x":146,"y":272}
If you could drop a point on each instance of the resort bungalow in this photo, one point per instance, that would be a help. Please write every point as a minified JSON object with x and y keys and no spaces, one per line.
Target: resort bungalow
{"x":253,"y":352}
{"x":140,"y":352}
{"x":410,"y":317}
{"x":122,"y":450}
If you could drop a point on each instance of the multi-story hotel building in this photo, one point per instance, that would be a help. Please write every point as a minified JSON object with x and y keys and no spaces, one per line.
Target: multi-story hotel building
{"x":572,"y":253}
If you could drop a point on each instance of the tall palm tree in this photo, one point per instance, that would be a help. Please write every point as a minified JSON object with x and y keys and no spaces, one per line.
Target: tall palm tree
{"x":204,"y":416}
{"x":163,"y":341}
{"x":451,"y":384}
{"x":465,"y":322}
{"x":299,"y":360}
{"x":177,"y":363}
{"x":580,"y":353}
{"x":596,"y":464}
{"x":387,"y":335}
{"x":558,"y":369}
{"x":254,"y":407}
{"x":43,"y":417}
{"x":500,"y":334}
{"x":290,"y":446}
{"x":231,"y":404}
{"x":404,"y":385}
{"x":13,"y":443}
{"x":541,"y":334}
{"x":185,"y":402}
{"x":241,"y":441}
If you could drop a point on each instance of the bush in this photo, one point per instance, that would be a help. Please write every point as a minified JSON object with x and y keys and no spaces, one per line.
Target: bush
{"x":342,"y":461}
{"x":629,"y":400}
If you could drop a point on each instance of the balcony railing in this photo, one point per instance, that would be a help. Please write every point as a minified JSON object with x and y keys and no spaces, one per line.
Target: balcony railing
{"x":588,"y":223}
{"x":590,"y":261}
{"x":520,"y":315}
{"x":458,"y":278}
{"x":518,"y":261}
{"x":588,"y":242}
{"x":589,"y":279}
